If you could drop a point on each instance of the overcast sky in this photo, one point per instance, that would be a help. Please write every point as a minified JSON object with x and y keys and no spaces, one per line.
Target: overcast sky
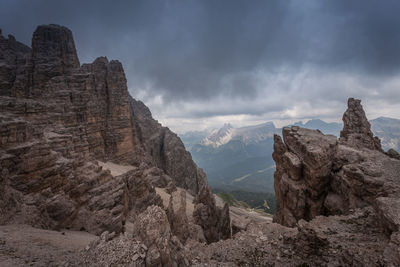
{"x":198,"y":63}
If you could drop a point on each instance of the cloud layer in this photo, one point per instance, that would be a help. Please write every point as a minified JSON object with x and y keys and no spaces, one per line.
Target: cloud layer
{"x":200,"y":63}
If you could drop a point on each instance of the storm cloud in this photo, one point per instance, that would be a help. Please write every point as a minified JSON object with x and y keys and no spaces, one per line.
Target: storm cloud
{"x":200,"y":63}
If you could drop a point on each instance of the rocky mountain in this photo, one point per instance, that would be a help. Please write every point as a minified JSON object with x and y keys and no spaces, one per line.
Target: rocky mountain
{"x":238,"y":158}
{"x":219,"y":137}
{"x":164,"y":149}
{"x":89,"y":178}
{"x":77,"y":152}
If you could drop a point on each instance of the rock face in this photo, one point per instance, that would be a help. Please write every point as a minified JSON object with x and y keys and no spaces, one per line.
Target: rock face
{"x":356,"y":129}
{"x":53,"y":54}
{"x":165,"y":149}
{"x":319,"y":175}
{"x":58,"y":119}
{"x":55,"y":118}
{"x":153,"y":229}
{"x":177,"y":217}
{"x":302,"y":174}
{"x":214,"y":221}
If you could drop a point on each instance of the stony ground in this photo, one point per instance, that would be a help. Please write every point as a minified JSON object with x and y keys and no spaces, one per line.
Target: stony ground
{"x":23,"y":245}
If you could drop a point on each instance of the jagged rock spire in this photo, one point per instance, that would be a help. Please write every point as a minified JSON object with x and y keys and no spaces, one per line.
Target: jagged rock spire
{"x":55,"y":44}
{"x":357,"y":130}
{"x":53,"y":52}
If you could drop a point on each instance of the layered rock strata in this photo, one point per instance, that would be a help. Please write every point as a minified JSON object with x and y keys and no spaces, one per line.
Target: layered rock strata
{"x":215,"y":222}
{"x":319,"y":175}
{"x":58,"y":119}
{"x":165,"y":149}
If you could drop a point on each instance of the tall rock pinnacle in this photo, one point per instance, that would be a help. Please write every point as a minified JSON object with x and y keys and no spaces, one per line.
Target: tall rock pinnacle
{"x":357,"y":130}
{"x":53,"y":52}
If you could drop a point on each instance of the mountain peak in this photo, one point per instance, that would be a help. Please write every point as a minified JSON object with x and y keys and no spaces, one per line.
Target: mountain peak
{"x":246,"y":134}
{"x":226,"y":126}
{"x":55,"y":45}
{"x":220,"y":137}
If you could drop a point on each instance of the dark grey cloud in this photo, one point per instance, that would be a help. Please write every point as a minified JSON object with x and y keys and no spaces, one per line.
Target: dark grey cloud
{"x":183,"y":48}
{"x":194,"y":51}
{"x":363,"y":35}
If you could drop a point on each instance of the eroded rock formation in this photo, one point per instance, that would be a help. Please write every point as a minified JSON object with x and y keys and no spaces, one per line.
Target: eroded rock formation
{"x":165,"y":149}
{"x":58,"y":119}
{"x":357,"y":129}
{"x":215,"y":222}
{"x":153,"y":229}
{"x":320,"y":175}
{"x":76,"y":151}
{"x":303,"y":171}
{"x":339,"y":197}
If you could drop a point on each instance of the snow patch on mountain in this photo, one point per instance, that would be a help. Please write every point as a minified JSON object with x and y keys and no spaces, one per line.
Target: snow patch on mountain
{"x":248,"y":134}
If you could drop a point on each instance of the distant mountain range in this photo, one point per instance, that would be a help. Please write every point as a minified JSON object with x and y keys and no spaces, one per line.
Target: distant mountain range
{"x":241,"y":158}
{"x":387,"y":129}
{"x":333,"y":128}
{"x":235,"y":158}
{"x":246,"y":135}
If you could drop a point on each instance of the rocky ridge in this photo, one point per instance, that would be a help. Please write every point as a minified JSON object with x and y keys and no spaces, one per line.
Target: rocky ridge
{"x":59,"y":120}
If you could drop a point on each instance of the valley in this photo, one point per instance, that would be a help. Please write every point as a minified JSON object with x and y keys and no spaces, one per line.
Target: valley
{"x":238,"y":161}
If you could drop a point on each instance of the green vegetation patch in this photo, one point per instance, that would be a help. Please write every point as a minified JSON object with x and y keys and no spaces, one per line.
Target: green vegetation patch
{"x":260,"y":202}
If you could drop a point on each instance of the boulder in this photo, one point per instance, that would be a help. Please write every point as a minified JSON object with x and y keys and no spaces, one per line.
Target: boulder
{"x":163,"y":248}
{"x":215,"y":221}
{"x":177,"y":215}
